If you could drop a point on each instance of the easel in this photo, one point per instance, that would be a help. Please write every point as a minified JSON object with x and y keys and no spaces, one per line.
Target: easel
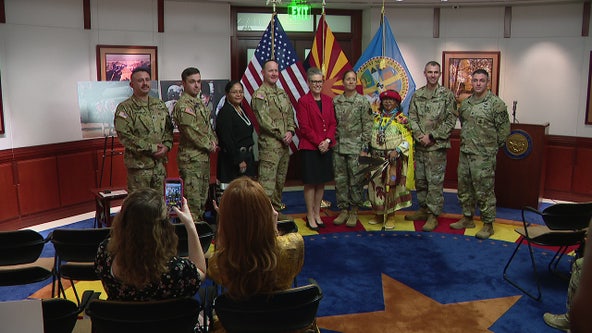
{"x":104,"y":156}
{"x":104,"y":196}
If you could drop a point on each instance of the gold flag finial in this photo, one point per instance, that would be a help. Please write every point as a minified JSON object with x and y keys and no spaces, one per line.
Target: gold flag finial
{"x":273,"y":2}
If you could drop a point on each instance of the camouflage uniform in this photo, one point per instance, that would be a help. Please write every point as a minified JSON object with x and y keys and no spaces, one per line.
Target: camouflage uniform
{"x":434,"y":114}
{"x":276,"y":117}
{"x":140,"y":127}
{"x":485,"y":127}
{"x":193,"y":120}
{"x":574,"y":281}
{"x":354,"y":128}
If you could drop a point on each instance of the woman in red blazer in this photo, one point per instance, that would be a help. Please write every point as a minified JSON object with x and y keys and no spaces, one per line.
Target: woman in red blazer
{"x":316,"y":132}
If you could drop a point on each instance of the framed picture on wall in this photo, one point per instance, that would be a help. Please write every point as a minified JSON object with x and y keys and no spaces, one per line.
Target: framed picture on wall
{"x":458,"y":67}
{"x":116,"y":62}
{"x":589,"y":99}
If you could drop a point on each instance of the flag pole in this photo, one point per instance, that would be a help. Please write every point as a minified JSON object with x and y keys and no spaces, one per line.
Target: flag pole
{"x":273,"y":33}
{"x":323,"y":67}
{"x":273,"y":16}
{"x":382,"y":64}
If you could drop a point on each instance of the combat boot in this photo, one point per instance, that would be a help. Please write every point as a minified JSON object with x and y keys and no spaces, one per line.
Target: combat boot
{"x":421,"y":214}
{"x":486,"y":231}
{"x":465,"y":223}
{"x":390,"y":223}
{"x":431,"y":223}
{"x":341,"y":218}
{"x":376,"y":219}
{"x":352,"y":219}
{"x":558,"y":321}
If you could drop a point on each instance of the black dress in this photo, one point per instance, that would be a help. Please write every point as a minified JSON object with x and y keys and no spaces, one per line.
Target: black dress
{"x":317,"y":168}
{"x":235,"y":136}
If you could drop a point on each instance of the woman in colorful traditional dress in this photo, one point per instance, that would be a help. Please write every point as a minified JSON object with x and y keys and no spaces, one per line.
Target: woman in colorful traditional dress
{"x":389,"y":189}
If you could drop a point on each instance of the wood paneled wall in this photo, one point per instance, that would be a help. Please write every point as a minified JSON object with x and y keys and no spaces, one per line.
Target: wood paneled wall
{"x":39,"y":179}
{"x":568,"y":167}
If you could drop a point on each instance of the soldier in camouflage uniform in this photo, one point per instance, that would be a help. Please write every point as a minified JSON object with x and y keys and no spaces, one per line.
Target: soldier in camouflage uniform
{"x":561,"y":321}
{"x":196,"y":142}
{"x":485,"y":128}
{"x":144,"y":128}
{"x":354,"y":129}
{"x":432,"y":116}
{"x":275,"y":115}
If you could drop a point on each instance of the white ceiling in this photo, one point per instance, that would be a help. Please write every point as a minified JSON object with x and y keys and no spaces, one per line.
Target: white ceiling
{"x":362,"y":4}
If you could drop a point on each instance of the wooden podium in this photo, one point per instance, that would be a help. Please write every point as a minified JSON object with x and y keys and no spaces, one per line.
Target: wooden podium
{"x":519,"y":179}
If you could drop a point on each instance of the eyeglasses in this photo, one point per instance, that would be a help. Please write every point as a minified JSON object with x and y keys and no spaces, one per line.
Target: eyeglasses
{"x":316,"y":82}
{"x":240,"y":92}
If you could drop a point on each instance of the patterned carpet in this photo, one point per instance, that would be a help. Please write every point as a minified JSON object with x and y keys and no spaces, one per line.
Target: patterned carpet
{"x":406,"y":280}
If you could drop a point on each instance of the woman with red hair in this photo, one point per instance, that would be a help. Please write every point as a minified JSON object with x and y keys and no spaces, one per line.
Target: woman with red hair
{"x":252,"y":257}
{"x":389,"y":189}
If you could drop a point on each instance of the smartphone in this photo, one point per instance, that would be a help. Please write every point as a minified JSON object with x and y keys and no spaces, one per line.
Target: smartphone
{"x":173,"y":193}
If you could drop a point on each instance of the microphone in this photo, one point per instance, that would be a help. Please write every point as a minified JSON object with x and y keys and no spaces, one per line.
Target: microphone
{"x":514,"y":111}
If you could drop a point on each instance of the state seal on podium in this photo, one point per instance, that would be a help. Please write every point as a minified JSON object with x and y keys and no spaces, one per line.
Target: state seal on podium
{"x":518,"y":144}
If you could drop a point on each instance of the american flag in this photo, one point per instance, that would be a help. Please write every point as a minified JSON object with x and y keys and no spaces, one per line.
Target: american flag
{"x":292,"y":76}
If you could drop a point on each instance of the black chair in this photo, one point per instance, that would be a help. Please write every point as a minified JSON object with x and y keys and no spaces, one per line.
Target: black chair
{"x":277,"y":312}
{"x":60,"y":315}
{"x":287,"y":226}
{"x":175,"y":315}
{"x":206,"y":235}
{"x":205,"y":232}
{"x":19,"y":258}
{"x":75,"y":253}
{"x":565,"y":226}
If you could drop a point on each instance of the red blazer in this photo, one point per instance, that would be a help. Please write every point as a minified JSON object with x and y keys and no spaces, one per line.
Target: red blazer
{"x":314,"y":126}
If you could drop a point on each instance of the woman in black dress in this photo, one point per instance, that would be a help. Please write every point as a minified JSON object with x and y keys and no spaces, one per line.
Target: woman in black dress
{"x":235,"y":136}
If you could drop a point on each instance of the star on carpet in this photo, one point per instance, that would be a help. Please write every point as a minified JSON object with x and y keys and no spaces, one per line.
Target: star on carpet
{"x":407,"y":309}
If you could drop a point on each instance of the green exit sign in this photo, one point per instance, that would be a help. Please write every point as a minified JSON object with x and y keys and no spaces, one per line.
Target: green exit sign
{"x":299,"y":9}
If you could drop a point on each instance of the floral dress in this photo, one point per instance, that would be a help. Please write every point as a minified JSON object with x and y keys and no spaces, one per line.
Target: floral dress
{"x":181,"y":280}
{"x":389,"y":190}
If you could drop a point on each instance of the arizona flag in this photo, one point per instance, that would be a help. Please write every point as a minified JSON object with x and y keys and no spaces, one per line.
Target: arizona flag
{"x":381,"y":67}
{"x":327,"y":55}
{"x":274,"y":45}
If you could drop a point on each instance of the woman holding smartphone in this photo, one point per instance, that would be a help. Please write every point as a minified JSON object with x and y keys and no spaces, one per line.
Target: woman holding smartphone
{"x":252,"y":257}
{"x":139,"y":261}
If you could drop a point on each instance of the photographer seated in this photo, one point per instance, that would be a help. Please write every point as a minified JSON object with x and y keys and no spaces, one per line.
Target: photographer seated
{"x":139,"y":261}
{"x":252,"y":257}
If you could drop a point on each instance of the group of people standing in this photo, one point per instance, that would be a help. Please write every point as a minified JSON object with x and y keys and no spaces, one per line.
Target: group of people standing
{"x":393,"y":153}
{"x":485,"y":126}
{"x":339,"y":139}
